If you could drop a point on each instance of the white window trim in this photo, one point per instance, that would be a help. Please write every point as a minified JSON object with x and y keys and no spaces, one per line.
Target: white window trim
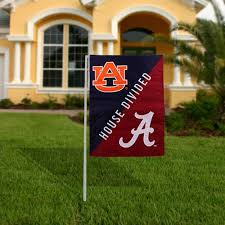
{"x":40,"y":45}
{"x":5,"y":52}
{"x":4,"y":30}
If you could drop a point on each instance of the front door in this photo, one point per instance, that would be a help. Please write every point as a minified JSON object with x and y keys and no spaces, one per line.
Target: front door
{"x":1,"y":76}
{"x":139,"y":51}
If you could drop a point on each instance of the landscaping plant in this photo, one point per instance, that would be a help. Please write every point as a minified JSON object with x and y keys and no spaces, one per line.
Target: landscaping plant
{"x":6,"y":103}
{"x":49,"y":103}
{"x":204,"y":59}
{"x":26,"y":103}
{"x":74,"y":101}
{"x":197,"y":117}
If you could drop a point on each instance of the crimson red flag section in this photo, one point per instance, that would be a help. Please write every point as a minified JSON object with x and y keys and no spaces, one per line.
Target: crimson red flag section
{"x":126,"y":106}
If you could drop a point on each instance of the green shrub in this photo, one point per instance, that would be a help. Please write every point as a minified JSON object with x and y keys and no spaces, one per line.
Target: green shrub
{"x":206,"y":124}
{"x":50,"y":103}
{"x":79,"y":101}
{"x":175,"y":122}
{"x":6,"y":103}
{"x":73,"y":101}
{"x":196,"y":117}
{"x":69,"y":102}
{"x":26,"y":102}
{"x":204,"y":107}
{"x":36,"y":105}
{"x":193,"y":132}
{"x":221,"y":127}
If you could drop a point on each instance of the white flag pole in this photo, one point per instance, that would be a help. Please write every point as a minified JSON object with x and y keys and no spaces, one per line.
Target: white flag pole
{"x":85,"y":129}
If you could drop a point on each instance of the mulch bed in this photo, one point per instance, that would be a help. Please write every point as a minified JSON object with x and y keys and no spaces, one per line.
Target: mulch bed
{"x":76,"y":119}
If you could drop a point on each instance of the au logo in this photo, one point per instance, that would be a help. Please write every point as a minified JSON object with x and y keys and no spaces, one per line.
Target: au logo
{"x":110,"y":70}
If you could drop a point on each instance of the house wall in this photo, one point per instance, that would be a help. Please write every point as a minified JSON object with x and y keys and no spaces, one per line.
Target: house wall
{"x":177,"y":96}
{"x":28,"y":9}
{"x":106,"y":11}
{"x":101,"y":24}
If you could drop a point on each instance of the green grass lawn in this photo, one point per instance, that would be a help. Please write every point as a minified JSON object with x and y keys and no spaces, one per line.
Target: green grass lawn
{"x":41,"y":179}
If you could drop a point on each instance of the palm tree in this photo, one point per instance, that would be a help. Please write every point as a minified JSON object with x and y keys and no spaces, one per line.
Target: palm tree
{"x":204,"y":59}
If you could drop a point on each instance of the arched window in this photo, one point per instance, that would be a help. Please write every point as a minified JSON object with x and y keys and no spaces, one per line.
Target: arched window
{"x":137,"y":35}
{"x":65,"y":47}
{"x":137,"y":41}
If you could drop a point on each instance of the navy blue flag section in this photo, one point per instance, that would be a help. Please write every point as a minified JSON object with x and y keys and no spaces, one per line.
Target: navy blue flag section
{"x":126,"y":106}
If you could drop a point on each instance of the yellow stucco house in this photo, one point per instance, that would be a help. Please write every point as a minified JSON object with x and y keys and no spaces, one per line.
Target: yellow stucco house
{"x":43,"y":42}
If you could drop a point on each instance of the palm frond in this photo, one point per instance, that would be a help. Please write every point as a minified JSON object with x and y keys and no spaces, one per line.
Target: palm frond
{"x":188,"y":50}
{"x":191,"y":29}
{"x":207,"y":62}
{"x":219,"y":16}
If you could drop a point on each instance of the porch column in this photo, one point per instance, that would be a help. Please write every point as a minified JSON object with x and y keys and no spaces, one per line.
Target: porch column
{"x":99,"y":48}
{"x":17,"y":55}
{"x":202,"y":83}
{"x":176,"y":76}
{"x":177,"y":71}
{"x":187,"y":80}
{"x":27,"y":63}
{"x":110,"y":48}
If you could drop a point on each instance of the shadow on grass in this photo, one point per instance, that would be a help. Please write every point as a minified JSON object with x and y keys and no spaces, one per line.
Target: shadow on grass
{"x":67,"y":165}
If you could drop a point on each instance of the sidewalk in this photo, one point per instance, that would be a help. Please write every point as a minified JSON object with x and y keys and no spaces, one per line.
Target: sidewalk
{"x":70,"y":113}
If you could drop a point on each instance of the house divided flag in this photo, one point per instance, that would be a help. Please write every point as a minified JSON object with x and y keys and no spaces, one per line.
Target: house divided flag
{"x":126,"y":106}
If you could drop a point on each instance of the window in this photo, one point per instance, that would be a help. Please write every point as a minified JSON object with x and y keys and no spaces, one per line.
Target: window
{"x":78,"y":48}
{"x":4,"y":19}
{"x":53,"y":57}
{"x":137,"y":35}
{"x":65,"y":47}
{"x":139,"y":51}
{"x":138,"y":41}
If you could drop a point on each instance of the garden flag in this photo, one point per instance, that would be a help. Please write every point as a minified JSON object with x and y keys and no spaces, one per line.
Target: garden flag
{"x":126,"y":106}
